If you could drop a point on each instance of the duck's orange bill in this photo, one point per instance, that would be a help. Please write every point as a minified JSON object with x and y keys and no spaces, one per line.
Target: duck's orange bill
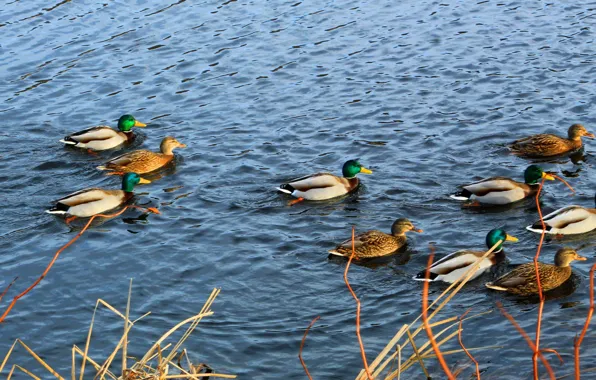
{"x":139,"y":124}
{"x":419,"y":230}
{"x":511,"y":238}
{"x":580,"y":258}
{"x":365,"y":170}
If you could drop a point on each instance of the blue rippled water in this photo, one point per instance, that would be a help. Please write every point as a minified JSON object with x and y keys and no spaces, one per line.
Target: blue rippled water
{"x":424,"y":93}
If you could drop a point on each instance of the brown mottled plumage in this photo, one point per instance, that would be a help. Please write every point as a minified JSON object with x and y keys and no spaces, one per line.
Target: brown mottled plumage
{"x":522,"y":280}
{"x":376,"y":243}
{"x":546,"y":145}
{"x":144,"y":161}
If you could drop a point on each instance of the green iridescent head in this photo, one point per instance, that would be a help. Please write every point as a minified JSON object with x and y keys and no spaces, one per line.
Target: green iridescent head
{"x":534,"y":174}
{"x":353,"y":167}
{"x":129,"y":180}
{"x":498,"y":234}
{"x":126,"y":122}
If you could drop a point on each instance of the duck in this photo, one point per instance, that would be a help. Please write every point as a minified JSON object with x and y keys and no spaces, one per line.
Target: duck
{"x":451,"y":267}
{"x":322,"y":186}
{"x":568,"y":220}
{"x":104,"y":137}
{"x":375,"y":243}
{"x":144,"y":161}
{"x":547,"y":145}
{"x":503,"y":190}
{"x":92,"y":201}
{"x":522,"y":280}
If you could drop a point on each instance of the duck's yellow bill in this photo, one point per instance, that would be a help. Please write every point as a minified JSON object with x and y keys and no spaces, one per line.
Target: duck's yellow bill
{"x":144,"y":181}
{"x":139,"y":124}
{"x":511,"y":238}
{"x":365,"y":170}
{"x":580,"y":258}
{"x":547,"y":176}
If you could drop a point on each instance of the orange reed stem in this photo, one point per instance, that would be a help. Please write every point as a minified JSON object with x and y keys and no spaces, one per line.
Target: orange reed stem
{"x":461,"y":343}
{"x":45,"y":272}
{"x":302,"y":347}
{"x":565,"y":182}
{"x":362,"y":352}
{"x":425,"y":319}
{"x":539,"y":283}
{"x":578,"y":341}
{"x":527,"y":339}
{"x":8,"y":287}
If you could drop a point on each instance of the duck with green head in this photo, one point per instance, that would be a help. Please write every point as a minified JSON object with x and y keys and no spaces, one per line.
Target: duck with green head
{"x":451,"y":267}
{"x":92,"y":201}
{"x":503,"y":190}
{"x":321,"y":186}
{"x":570,"y":220}
{"x":104,"y":137}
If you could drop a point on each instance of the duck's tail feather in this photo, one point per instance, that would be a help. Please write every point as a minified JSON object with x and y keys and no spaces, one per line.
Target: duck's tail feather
{"x":495,"y":287}
{"x":286,"y":188}
{"x":421,"y":276}
{"x":336,"y":253}
{"x":537,"y":227}
{"x":462,"y":195}
{"x":68,"y":142}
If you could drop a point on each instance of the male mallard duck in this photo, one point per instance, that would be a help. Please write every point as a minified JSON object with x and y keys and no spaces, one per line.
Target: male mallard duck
{"x":546,"y":145}
{"x":522,"y":280}
{"x":322,"y":186}
{"x":89,"y":202}
{"x":376,"y":243}
{"x":568,"y":220}
{"x":502,"y":190}
{"x":451,"y":267}
{"x":144,"y":161}
{"x":103,"y":137}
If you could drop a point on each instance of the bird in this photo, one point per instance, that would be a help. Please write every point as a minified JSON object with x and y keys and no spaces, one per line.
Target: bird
{"x":144,"y":161}
{"x":522,"y":280}
{"x":321,"y":186}
{"x":103,"y":137}
{"x":451,"y":267}
{"x":92,"y":201}
{"x":568,"y":220}
{"x":375,"y":243}
{"x":547,"y":145}
{"x":503,"y":190}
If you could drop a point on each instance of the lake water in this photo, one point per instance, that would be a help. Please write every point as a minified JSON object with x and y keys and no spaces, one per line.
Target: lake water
{"x":424,"y":93}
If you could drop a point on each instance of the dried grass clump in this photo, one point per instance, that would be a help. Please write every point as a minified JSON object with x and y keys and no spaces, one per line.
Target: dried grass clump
{"x":161,"y":361}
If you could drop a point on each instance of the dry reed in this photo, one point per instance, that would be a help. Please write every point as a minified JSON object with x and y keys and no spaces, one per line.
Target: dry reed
{"x":157,"y":363}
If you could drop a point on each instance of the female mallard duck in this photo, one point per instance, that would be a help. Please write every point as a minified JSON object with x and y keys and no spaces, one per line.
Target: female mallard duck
{"x":144,"y":161}
{"x":89,"y":202}
{"x":376,"y":243}
{"x":568,"y":220}
{"x":103,"y":137}
{"x":323,"y":186}
{"x":502,"y":190}
{"x":547,"y":145}
{"x":451,"y":267}
{"x":522,"y":280}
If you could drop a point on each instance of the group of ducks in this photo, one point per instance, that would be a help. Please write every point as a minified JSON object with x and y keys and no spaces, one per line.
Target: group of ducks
{"x":92,"y":201}
{"x":321,"y":186}
{"x":495,"y":191}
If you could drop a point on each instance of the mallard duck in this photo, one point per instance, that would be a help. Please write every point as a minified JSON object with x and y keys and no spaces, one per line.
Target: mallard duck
{"x":144,"y":161}
{"x":522,"y":280}
{"x":103,"y":137}
{"x":502,"y":190}
{"x":451,"y":267}
{"x":323,"y":186}
{"x":568,"y":220}
{"x":89,"y":202}
{"x":376,"y":243}
{"x":546,"y":145}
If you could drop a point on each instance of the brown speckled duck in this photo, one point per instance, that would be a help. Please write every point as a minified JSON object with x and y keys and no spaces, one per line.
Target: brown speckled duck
{"x":144,"y":161}
{"x":547,"y":145}
{"x":522,"y":280}
{"x":376,"y":243}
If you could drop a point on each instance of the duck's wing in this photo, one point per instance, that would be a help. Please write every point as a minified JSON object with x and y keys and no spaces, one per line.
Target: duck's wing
{"x":315,"y":181}
{"x":101,"y":132}
{"x":567,"y":220}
